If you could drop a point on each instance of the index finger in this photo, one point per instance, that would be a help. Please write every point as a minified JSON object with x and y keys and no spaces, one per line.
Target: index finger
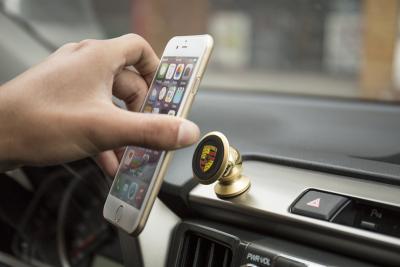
{"x":132,"y":49}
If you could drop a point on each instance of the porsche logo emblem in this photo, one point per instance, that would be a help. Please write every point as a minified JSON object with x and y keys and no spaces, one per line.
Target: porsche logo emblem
{"x":207,"y":158}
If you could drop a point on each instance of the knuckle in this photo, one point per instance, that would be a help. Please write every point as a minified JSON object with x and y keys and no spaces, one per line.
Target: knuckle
{"x":87,"y":43}
{"x":125,"y":79}
{"x":136,"y":38}
{"x":91,"y":45}
{"x":68,"y":47}
{"x":133,"y":36}
{"x":94,"y":50}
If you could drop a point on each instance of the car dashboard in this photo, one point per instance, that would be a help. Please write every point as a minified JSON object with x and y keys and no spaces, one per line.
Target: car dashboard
{"x":325,"y":191}
{"x":297,"y":152}
{"x":296,"y":149}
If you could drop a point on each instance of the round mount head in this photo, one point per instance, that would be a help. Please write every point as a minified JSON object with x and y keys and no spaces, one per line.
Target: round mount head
{"x":210,"y":157}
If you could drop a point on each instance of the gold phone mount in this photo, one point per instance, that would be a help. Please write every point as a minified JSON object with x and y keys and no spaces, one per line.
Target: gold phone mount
{"x":215,"y":160}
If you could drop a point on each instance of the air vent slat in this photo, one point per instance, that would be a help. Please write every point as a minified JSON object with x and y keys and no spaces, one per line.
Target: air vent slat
{"x":200,"y":251}
{"x":189,"y":248}
{"x":211,"y":255}
{"x":197,"y":255}
{"x":227,"y":258}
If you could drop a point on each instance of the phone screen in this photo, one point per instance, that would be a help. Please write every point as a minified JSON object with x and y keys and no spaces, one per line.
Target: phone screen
{"x":138,"y":165}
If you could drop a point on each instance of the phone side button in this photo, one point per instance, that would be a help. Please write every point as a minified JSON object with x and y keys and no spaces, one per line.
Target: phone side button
{"x":118,"y":213}
{"x":196,"y":85}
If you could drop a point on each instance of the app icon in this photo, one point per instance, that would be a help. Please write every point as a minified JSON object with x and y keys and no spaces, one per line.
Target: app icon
{"x":156,"y":110}
{"x":187,"y":71}
{"x":140,"y":195}
{"x":178,"y":95}
{"x":142,"y":189}
{"x":125,"y":188}
{"x":137,"y":160}
{"x":171,"y":112}
{"x":147,"y":109}
{"x":129,"y":156}
{"x":118,"y":184}
{"x":170,"y":71}
{"x":179,"y":71}
{"x":138,"y":171}
{"x":170,"y":94}
{"x":162,"y":93}
{"x":153,"y":94}
{"x":146,"y":158}
{"x":162,"y":71}
{"x":132,"y":190}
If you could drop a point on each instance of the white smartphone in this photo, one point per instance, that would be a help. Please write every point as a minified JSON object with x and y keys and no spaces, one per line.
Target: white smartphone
{"x":141,"y":170}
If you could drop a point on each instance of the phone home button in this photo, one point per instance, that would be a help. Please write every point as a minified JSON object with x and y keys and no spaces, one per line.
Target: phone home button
{"x":118,"y":213}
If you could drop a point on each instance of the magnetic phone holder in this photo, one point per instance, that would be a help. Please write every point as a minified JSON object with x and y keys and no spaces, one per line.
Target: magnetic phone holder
{"x":214,"y":160}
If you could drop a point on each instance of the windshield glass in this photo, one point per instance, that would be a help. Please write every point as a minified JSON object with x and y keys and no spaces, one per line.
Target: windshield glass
{"x":338,"y":48}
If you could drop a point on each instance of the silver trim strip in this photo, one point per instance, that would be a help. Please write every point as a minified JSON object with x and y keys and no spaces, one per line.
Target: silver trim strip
{"x":275,"y":187}
{"x":155,"y":238}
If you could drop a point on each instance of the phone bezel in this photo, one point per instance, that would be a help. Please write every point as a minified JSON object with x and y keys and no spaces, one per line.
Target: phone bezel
{"x":132,"y":219}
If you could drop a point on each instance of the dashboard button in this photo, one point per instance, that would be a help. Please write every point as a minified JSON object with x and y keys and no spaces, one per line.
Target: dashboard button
{"x":368,"y":225}
{"x":257,"y":256}
{"x":379,"y":219}
{"x":318,"y":205}
{"x":118,"y":213}
{"x":285,"y":262}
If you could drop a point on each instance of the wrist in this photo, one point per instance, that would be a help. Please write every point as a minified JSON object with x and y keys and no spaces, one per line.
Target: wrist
{"x":8,"y":135}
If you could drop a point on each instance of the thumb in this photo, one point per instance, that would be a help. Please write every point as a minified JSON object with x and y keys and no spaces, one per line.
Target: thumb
{"x":164,"y":132}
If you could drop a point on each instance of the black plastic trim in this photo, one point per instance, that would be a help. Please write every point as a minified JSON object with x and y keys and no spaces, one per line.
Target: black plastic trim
{"x":210,"y":233}
{"x":176,"y":197}
{"x":131,"y":251}
{"x":374,"y":251}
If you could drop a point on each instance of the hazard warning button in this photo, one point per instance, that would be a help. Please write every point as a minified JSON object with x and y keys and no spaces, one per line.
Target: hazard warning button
{"x":319,"y":205}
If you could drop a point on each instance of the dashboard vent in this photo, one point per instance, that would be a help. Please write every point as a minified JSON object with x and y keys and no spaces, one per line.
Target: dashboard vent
{"x":200,"y":251}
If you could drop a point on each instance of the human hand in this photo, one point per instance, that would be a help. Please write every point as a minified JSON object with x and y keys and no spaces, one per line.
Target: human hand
{"x":61,"y":110}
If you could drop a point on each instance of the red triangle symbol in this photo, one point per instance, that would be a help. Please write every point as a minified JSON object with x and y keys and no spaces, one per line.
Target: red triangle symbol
{"x":314,"y":203}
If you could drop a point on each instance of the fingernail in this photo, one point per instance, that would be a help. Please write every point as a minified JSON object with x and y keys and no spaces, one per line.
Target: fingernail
{"x":188,"y":133}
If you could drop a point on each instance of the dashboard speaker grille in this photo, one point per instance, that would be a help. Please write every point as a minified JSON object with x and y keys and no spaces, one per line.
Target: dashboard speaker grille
{"x":200,"y":251}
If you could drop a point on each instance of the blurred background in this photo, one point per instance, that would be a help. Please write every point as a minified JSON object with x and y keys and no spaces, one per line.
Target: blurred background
{"x":347,"y":49}
{"x":338,"y":48}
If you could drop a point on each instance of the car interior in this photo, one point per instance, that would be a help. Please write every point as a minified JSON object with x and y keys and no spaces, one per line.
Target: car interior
{"x":304,"y":93}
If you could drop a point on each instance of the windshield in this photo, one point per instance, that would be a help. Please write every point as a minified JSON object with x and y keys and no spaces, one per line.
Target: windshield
{"x":338,"y":48}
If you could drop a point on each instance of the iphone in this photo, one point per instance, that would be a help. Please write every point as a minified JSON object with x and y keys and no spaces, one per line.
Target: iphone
{"x":141,"y":170}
